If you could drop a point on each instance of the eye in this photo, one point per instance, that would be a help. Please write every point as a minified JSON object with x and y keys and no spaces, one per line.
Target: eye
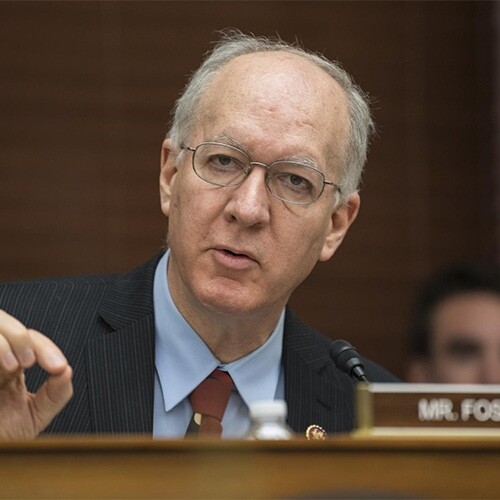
{"x":223,"y":162}
{"x":294,"y":182}
{"x":463,"y":348}
{"x":298,"y":181}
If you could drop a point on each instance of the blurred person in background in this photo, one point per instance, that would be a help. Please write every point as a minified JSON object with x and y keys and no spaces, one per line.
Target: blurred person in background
{"x":455,"y":331}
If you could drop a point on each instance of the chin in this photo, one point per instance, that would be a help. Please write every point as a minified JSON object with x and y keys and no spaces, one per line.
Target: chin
{"x":229,"y":300}
{"x":228,"y":305}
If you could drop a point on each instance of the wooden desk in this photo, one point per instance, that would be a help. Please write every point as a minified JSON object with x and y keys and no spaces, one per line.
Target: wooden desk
{"x":363,"y":467}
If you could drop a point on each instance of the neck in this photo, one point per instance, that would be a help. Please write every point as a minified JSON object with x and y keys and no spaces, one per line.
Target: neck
{"x":229,"y":336}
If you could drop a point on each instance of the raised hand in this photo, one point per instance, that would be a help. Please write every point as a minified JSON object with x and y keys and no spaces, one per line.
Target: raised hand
{"x":24,"y":414}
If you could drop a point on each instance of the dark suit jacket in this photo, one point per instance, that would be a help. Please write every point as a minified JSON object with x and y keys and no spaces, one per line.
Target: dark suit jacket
{"x":105,"y":326}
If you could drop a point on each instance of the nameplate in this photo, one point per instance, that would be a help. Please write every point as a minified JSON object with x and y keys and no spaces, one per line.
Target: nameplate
{"x":427,"y":406}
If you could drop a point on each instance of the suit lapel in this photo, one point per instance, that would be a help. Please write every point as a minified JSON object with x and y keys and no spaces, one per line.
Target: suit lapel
{"x":315,"y":391}
{"x":121,"y":366}
{"x":121,"y":361}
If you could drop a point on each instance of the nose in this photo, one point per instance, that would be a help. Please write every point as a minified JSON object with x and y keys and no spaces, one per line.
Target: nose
{"x":249,"y":203}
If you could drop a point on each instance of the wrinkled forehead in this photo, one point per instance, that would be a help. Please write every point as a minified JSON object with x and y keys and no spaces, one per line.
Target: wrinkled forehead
{"x":275,"y":91}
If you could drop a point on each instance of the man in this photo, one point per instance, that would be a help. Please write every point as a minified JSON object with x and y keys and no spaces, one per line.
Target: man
{"x":456,"y":327}
{"x":258,"y":180}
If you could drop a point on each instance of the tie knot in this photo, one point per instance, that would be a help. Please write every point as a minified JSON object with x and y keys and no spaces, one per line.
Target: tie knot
{"x":211,"y":396}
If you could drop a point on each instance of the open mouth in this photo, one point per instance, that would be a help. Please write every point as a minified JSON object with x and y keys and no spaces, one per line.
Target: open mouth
{"x":230,"y":252}
{"x":236,"y":256}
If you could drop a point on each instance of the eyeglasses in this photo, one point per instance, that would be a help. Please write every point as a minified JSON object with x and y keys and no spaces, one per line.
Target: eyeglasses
{"x":290,"y":181}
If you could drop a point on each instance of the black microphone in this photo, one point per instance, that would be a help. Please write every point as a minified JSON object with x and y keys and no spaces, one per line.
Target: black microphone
{"x":347,"y":359}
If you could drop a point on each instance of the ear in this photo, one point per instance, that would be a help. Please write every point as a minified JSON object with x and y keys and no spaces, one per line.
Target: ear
{"x":168,"y":173}
{"x":340,"y":222}
{"x":418,"y":371}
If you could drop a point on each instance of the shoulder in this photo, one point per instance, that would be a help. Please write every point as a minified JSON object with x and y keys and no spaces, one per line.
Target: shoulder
{"x":376,"y":373}
{"x":45,"y":302}
{"x":21,"y":298}
{"x":315,"y":345}
{"x":65,"y":309}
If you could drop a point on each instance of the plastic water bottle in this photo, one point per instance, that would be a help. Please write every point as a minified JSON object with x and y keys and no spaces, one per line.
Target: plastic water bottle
{"x":269,"y":420}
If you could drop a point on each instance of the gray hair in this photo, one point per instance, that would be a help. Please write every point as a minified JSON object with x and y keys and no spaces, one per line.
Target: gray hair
{"x":233,"y":44}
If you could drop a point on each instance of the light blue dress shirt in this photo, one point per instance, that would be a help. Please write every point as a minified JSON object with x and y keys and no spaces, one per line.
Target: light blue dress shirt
{"x":183,"y":360}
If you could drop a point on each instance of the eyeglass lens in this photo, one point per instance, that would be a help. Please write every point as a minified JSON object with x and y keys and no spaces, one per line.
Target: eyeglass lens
{"x":224,"y":165}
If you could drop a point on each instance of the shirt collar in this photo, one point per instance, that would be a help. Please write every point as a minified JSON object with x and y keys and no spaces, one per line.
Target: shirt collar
{"x":183,"y":360}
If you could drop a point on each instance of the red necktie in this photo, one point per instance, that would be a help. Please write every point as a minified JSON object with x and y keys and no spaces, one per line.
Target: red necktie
{"x":209,"y":401}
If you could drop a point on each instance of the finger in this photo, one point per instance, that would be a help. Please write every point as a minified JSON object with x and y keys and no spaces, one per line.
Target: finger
{"x":48,"y":355}
{"x":28,"y":347}
{"x":51,"y":398}
{"x":19,"y":340}
{"x":8,"y":360}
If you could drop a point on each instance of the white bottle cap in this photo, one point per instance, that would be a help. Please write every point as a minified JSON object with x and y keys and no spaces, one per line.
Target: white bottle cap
{"x":269,"y":409}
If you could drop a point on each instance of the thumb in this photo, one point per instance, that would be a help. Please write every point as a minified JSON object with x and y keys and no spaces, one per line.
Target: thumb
{"x":51,"y":398}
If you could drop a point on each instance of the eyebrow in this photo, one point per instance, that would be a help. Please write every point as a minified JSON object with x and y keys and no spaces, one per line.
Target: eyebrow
{"x":305,"y":160}
{"x":225,"y":139}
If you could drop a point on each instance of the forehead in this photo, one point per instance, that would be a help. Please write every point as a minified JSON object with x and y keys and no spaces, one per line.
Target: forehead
{"x":271,"y":98}
{"x":475,"y":315}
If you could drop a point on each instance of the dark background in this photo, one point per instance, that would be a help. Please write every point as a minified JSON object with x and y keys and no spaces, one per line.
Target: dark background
{"x":85,"y":94}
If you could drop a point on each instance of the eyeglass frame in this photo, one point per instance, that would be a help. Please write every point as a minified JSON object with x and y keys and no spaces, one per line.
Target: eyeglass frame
{"x":259,"y":164}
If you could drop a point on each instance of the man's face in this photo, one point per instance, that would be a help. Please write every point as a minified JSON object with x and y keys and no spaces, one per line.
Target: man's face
{"x":466,"y":339}
{"x":239,"y":250}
